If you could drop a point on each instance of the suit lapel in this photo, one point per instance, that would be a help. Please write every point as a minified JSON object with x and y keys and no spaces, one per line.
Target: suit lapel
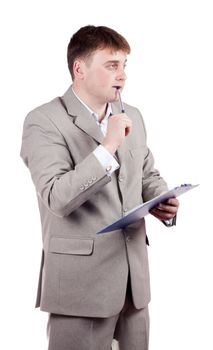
{"x":82,"y":118}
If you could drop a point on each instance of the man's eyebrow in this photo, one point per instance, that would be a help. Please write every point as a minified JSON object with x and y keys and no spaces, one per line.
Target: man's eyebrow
{"x":115,"y":61}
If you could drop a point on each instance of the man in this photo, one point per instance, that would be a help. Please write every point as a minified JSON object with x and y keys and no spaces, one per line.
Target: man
{"x":90,"y":164}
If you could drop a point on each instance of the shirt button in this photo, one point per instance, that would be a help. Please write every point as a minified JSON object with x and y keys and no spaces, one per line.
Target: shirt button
{"x":125,"y":210}
{"x":82,"y":187}
{"x":128,"y":238}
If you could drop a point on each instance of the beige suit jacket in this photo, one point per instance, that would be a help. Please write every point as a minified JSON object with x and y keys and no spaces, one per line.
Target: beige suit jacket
{"x":82,"y":273}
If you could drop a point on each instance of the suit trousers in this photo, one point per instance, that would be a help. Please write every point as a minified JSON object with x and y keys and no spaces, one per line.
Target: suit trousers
{"x":130,"y":328}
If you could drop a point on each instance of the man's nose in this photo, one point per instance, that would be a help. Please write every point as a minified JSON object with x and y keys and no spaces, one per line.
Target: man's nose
{"x":121,"y":75}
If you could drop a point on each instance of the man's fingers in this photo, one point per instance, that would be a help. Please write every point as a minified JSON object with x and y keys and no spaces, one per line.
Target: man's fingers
{"x":167,"y":208}
{"x":173,"y":201}
{"x":171,"y":205}
{"x":119,"y":126}
{"x":162,"y":215}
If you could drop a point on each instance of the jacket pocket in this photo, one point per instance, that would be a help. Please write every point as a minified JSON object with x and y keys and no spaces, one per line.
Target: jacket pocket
{"x":72,"y":246}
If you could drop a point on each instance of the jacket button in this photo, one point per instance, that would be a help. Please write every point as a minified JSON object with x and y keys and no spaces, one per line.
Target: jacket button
{"x":108,"y":168}
{"x":121,"y":178}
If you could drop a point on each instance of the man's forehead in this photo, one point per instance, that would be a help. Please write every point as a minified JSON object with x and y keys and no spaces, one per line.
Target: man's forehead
{"x":109,"y":54}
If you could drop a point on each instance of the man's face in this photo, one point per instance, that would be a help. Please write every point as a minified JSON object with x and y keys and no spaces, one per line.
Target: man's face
{"x":104,"y":73}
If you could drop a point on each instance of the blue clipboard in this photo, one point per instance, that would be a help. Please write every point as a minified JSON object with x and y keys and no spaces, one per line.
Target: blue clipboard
{"x":142,"y":210}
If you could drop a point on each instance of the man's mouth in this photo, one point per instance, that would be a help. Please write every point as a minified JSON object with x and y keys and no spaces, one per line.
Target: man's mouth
{"x":117,"y":87}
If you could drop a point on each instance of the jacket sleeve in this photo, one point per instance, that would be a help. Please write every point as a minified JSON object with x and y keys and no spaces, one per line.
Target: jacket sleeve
{"x":152,"y":182}
{"x":61,"y":185}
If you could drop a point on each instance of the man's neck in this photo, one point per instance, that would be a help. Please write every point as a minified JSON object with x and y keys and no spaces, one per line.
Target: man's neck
{"x":97,"y":108}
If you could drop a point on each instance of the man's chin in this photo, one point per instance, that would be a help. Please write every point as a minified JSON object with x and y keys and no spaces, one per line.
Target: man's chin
{"x":113,"y":99}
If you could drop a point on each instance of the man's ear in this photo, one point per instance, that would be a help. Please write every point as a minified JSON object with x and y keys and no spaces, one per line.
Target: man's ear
{"x":79,"y":69}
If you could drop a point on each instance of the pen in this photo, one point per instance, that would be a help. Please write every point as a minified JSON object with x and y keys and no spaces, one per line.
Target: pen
{"x":121,"y":103}
{"x":120,"y":100}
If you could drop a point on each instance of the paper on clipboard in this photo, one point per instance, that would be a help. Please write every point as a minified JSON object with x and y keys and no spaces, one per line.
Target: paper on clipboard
{"x":142,"y":210}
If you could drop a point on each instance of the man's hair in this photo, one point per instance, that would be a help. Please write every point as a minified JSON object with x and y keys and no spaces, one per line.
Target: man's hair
{"x":89,"y":39}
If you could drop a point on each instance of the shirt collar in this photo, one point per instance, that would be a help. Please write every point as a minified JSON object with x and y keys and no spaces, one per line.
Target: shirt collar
{"x":107,"y":114}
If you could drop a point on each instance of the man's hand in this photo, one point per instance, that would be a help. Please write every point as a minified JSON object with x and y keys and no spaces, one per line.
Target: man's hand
{"x":166,"y":210}
{"x":119,"y":126}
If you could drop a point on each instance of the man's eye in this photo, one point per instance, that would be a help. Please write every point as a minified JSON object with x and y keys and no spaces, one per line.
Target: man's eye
{"x":113,"y":66}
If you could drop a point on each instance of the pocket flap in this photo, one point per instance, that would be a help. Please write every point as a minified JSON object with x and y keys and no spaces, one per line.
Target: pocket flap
{"x":76,"y":246}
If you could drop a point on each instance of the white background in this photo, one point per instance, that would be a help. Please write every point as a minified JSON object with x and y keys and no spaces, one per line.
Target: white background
{"x":170,"y":79}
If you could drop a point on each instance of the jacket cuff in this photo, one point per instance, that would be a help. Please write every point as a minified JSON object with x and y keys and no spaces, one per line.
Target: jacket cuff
{"x":171,"y":222}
